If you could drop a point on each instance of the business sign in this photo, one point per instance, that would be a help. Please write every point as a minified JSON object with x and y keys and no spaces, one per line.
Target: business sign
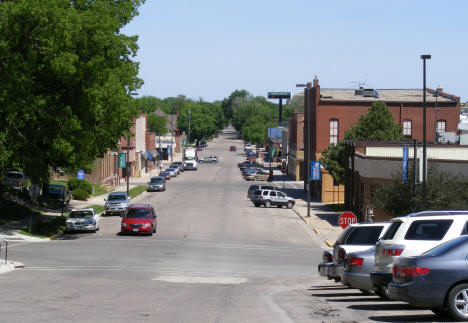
{"x":122,"y":160}
{"x":275,"y":132}
{"x":279,"y":95}
{"x":168,"y":150}
{"x":80,"y":174}
{"x":404,"y":167}
{"x":346,"y":218}
{"x":315,"y":171}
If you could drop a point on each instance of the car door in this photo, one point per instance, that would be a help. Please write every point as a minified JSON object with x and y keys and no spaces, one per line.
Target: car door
{"x":281,"y":198}
{"x":273,"y":198}
{"x":97,"y":218}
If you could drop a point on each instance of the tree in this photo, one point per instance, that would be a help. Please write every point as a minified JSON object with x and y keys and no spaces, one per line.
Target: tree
{"x":157,"y":124}
{"x":444,"y":192}
{"x":255,"y":130}
{"x":202,"y":121}
{"x":376,"y":125}
{"x":237,"y":98}
{"x":67,"y":76}
{"x":148,"y":104}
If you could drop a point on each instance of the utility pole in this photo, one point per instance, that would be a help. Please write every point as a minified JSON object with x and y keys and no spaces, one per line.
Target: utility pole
{"x":172,"y":136}
{"x":128,"y":164}
{"x":424,"y":57}
{"x":188,"y":139}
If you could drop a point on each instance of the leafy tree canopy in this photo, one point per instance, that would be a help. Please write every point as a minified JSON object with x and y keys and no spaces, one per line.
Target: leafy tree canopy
{"x":67,"y":74}
{"x":157,"y":124}
{"x":376,"y":125}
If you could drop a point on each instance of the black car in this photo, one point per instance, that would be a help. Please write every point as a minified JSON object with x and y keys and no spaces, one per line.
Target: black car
{"x":437,"y":279}
{"x":57,"y":194}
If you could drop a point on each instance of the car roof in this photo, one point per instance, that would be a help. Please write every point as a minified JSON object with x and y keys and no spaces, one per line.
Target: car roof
{"x":140,"y":206}
{"x":430,"y":214}
{"x":88,"y":209}
{"x":157,"y":177}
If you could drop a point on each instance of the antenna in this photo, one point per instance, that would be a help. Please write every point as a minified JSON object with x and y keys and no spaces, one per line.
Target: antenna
{"x":359,"y":84}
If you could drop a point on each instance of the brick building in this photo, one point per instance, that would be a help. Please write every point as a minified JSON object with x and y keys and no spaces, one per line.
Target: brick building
{"x":333,"y":111}
{"x":296,"y":146}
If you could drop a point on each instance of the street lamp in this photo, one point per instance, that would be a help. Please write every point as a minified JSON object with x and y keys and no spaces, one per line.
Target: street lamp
{"x":437,"y":92}
{"x":307,"y":88}
{"x":424,"y":58}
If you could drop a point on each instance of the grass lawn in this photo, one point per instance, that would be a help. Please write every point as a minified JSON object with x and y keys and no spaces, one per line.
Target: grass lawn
{"x":10,"y":211}
{"x":137,"y":190}
{"x":97,"y":208}
{"x":47,"y":228}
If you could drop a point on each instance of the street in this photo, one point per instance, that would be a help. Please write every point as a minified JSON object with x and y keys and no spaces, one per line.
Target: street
{"x":215,"y":258}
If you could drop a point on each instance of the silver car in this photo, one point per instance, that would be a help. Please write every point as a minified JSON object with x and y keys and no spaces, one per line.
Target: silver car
{"x":117,"y":203}
{"x":157,"y":183}
{"x":357,"y":269}
{"x":171,"y":171}
{"x":83,"y":220}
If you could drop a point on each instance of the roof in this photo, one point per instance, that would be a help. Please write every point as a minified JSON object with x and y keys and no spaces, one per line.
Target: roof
{"x":386,"y":95}
{"x":140,"y":206}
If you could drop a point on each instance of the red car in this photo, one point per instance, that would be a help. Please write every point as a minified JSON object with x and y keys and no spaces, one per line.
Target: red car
{"x":232,"y":148}
{"x":139,"y":218}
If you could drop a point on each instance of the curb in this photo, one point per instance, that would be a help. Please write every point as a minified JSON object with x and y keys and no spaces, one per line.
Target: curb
{"x":316,"y":230}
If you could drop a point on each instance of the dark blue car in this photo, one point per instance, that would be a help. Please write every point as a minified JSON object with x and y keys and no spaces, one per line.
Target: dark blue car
{"x":437,"y":280}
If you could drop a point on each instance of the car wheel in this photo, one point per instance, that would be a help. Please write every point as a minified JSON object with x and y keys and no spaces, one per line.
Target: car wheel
{"x":366,"y":291}
{"x":154,"y":229}
{"x":267,"y":203}
{"x":289,"y":205}
{"x":151,"y":232}
{"x":457,"y":302}
{"x":94,"y":230}
{"x":383,"y":292}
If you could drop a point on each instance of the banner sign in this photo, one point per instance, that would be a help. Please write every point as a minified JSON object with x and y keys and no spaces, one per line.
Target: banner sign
{"x":122,"y":160}
{"x":80,"y":174}
{"x":404,"y":169}
{"x":315,"y":171}
{"x":275,"y":132}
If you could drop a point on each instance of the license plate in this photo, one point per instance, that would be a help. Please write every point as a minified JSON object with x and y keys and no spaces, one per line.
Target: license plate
{"x":135,"y":230}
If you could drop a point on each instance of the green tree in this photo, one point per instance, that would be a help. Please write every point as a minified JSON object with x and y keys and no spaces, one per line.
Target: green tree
{"x":67,"y":74}
{"x":202,"y":121}
{"x":444,"y":192}
{"x":148,"y":104}
{"x":376,"y":125}
{"x":157,"y":124}
{"x":255,"y":130}
{"x":236,"y":99}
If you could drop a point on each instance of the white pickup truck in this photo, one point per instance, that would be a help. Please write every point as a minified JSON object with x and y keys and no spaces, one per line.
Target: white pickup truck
{"x":190,"y":158}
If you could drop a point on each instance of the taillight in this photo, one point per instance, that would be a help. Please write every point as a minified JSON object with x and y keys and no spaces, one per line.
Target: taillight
{"x":19,"y":183}
{"x":355,"y":262}
{"x":402,"y":272}
{"x":341,"y":254}
{"x":261,"y":196}
{"x":392,"y":251}
{"x":327,"y":257}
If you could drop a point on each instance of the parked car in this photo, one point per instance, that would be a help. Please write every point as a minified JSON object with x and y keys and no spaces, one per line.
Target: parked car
{"x":199,"y":148}
{"x":255,"y":187}
{"x":178,"y":164}
{"x":232,"y":148}
{"x":117,"y":203}
{"x":356,"y":237}
{"x":139,"y":218}
{"x":204,"y":144}
{"x":157,"y":183}
{"x":83,"y":220}
{"x":247,"y":146}
{"x":165,"y":175}
{"x":357,"y":268}
{"x":437,"y":279}
{"x":413,"y":235}
{"x":57,"y":194}
{"x":258,"y":175}
{"x":16,"y":180}
{"x":248,"y":171}
{"x":171,"y":171}
{"x":271,"y":197}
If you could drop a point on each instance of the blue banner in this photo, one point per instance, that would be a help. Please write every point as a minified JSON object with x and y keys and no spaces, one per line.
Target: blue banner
{"x":315,"y":171}
{"x":404,"y":167}
{"x":80,"y":174}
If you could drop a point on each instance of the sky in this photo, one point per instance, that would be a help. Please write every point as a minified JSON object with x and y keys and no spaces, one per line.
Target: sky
{"x":209,"y":48}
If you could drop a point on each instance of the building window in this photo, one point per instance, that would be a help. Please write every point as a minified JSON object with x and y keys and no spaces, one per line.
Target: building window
{"x":407,"y":128}
{"x":334,"y":131}
{"x":441,"y":126}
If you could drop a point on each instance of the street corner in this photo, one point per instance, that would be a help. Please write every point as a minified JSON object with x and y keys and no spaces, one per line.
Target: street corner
{"x":10,"y":266}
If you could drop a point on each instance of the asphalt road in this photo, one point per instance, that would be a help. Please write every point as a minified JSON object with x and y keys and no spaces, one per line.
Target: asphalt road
{"x":215,"y":258}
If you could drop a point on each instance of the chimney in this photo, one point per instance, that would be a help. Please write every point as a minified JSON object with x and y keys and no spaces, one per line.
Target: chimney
{"x":316,"y":81}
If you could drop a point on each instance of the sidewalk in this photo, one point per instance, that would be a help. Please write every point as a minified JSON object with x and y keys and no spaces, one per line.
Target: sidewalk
{"x":322,"y":220}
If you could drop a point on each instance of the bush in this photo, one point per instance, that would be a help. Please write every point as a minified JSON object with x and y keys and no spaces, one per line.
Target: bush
{"x":79,"y":194}
{"x":74,"y":183}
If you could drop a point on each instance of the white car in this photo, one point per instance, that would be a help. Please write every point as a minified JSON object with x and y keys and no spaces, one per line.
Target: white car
{"x":83,"y":220}
{"x":413,"y":235}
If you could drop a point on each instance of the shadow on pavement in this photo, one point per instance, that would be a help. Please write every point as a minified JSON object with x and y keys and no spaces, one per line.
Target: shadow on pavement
{"x":337,"y":295}
{"x":383,"y":307}
{"x":331,"y":218}
{"x":408,"y":318}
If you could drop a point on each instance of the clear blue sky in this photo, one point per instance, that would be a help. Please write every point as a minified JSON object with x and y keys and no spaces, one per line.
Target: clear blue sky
{"x":208,"y":48}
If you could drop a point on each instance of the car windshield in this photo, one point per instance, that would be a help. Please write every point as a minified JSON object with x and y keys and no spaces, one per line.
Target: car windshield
{"x":55,"y":188}
{"x":14,"y":175}
{"x":116,"y":197}
{"x":81,"y":214}
{"x":156,"y":180}
{"x":137,"y":214}
{"x":364,"y":235}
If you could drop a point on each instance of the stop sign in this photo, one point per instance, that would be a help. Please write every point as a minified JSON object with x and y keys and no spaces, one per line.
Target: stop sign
{"x":346,"y":218}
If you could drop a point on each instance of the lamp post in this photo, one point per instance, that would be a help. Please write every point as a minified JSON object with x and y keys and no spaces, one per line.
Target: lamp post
{"x":437,"y":92}
{"x":307,"y":115}
{"x":172,"y":136}
{"x":424,"y":58}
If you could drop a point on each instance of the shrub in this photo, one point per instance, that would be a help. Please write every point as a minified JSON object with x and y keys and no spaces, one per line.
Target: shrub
{"x":74,"y":183}
{"x":79,"y":194}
